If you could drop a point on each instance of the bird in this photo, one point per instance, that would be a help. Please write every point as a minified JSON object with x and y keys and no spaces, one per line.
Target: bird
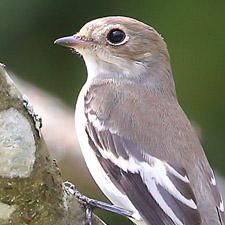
{"x":138,"y":144}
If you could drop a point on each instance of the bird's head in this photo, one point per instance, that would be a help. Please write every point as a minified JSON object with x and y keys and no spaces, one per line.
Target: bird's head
{"x":120,"y":47}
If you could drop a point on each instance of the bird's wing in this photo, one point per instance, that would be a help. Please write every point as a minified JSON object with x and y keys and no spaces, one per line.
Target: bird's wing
{"x":160,"y":192}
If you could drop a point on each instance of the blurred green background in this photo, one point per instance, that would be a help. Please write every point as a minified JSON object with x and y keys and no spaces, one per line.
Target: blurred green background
{"x":193,"y":30}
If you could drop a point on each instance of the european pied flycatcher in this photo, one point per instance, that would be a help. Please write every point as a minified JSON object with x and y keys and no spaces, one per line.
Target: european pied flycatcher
{"x":137,"y":142}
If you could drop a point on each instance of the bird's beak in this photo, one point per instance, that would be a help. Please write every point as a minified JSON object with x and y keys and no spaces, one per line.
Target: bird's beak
{"x":74,"y":41}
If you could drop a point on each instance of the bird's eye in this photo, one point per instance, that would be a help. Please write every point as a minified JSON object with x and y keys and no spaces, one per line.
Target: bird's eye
{"x":116,"y":36}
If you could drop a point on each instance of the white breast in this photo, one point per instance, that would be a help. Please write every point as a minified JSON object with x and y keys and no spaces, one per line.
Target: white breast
{"x":97,"y":172}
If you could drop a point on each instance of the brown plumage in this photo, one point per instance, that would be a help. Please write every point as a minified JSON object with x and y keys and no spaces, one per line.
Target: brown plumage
{"x":138,"y":144}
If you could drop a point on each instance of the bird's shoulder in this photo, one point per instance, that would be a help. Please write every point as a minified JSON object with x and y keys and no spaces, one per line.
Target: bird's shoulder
{"x":126,"y":99}
{"x":140,"y":114}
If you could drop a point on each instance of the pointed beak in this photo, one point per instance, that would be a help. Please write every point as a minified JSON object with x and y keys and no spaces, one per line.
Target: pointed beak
{"x":74,"y":41}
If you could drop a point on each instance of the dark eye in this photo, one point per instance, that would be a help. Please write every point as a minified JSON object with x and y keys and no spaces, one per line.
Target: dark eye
{"x":116,"y":36}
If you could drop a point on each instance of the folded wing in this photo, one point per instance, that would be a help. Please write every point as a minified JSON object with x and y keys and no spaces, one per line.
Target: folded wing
{"x":161,"y":193}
